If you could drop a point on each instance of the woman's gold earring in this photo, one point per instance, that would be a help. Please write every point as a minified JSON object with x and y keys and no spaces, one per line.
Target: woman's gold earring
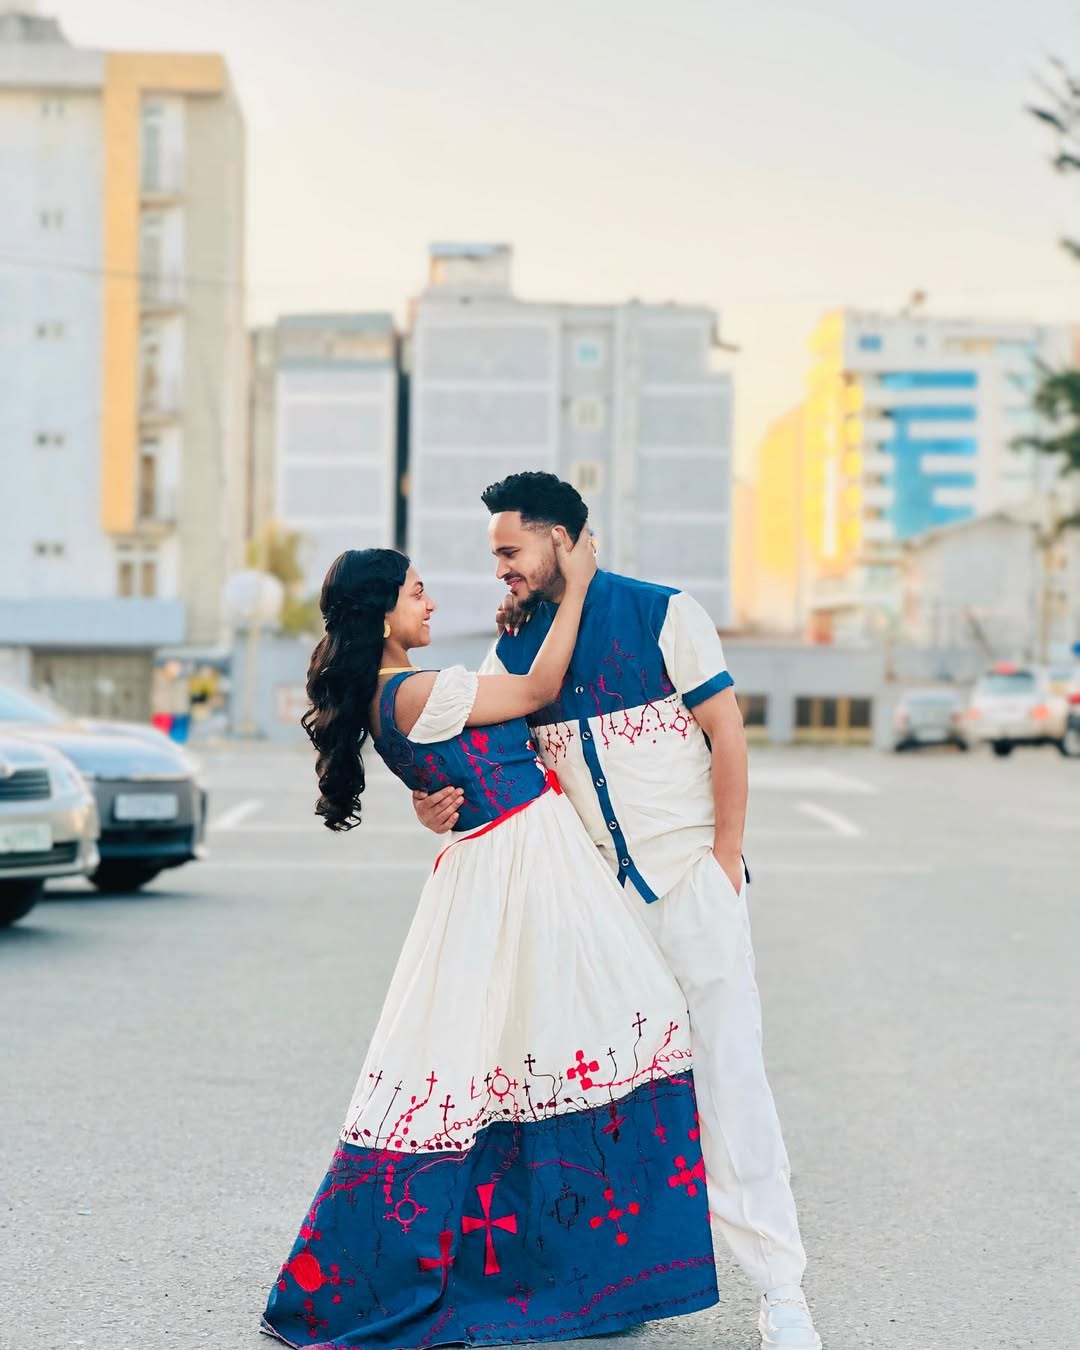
{"x":386,"y":629}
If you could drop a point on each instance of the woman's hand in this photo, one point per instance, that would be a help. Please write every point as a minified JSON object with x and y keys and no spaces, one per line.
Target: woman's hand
{"x":577,"y":562}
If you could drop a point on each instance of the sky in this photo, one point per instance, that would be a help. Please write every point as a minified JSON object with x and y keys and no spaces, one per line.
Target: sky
{"x":768,"y":158}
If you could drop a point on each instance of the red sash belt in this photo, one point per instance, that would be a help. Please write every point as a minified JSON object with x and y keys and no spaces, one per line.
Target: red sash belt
{"x":551,"y":784}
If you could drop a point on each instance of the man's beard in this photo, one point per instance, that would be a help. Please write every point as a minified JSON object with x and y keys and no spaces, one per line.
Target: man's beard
{"x":542,"y":589}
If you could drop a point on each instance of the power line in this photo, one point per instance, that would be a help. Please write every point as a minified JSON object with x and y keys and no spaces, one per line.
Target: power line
{"x":113,"y":273}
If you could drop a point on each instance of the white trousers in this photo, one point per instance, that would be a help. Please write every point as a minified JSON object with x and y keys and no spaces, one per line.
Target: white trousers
{"x":703,"y":930}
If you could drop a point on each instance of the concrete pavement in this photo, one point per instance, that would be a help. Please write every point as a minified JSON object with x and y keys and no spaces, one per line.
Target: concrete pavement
{"x":176,"y":1064}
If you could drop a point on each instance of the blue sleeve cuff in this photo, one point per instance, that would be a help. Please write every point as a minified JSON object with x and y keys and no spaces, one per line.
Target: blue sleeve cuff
{"x":718,"y":682}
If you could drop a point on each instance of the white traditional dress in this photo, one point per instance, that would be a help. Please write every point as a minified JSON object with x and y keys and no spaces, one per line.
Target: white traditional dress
{"x":521,"y":1159}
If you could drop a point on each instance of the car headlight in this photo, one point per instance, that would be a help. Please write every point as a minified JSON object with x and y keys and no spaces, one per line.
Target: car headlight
{"x":66,"y":778}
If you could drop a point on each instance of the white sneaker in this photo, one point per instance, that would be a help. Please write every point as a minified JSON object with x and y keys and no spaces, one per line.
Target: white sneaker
{"x":785,"y":1322}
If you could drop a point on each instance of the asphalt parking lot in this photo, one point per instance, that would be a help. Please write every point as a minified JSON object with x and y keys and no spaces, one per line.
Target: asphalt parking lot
{"x":176,"y":1064}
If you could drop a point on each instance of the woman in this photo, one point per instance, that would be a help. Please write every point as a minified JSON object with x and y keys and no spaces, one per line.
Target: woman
{"x":520,"y":1160}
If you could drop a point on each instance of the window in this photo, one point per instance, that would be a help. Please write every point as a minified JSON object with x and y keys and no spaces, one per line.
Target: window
{"x":587,"y":412}
{"x":870,"y":342}
{"x":148,"y":481}
{"x":859,"y":713}
{"x":50,"y":330}
{"x":587,"y":476}
{"x":51,"y":220}
{"x":151,"y":148}
{"x":929,"y":379}
{"x":136,"y":572}
{"x":834,"y":718}
{"x":49,"y":549}
{"x":589,"y":353}
{"x":50,"y":440}
{"x":1007,"y":682}
{"x":52,"y":107}
{"x":755,"y":713}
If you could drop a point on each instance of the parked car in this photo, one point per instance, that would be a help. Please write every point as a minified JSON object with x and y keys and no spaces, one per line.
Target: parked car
{"x":151,"y":804}
{"x":48,"y":824}
{"x":1070,"y":744}
{"x":929,"y":717}
{"x":1018,"y":705}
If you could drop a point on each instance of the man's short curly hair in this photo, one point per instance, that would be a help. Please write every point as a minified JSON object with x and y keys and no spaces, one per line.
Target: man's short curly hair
{"x":542,"y":499}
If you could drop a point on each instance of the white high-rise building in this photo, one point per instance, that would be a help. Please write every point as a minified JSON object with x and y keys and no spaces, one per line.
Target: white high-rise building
{"x":122,"y":388}
{"x":326,"y":400}
{"x":620,"y":400}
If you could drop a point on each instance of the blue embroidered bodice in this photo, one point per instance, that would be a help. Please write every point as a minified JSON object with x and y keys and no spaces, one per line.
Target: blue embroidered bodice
{"x":496,"y":766}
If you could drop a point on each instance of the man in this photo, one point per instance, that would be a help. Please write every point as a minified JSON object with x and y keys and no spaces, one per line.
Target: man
{"x":648,"y":743}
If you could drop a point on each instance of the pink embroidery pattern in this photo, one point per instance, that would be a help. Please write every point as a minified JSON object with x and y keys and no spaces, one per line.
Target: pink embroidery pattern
{"x":376,"y":1120}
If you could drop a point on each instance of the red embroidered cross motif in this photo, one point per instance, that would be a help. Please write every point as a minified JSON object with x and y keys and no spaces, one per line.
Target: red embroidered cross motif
{"x":444,"y":1260}
{"x":687,"y":1176}
{"x":613,"y":1215}
{"x":582,"y":1069}
{"x":471,"y":1224}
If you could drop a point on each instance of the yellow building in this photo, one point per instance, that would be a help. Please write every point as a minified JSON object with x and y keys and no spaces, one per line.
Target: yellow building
{"x":780,"y":563}
{"x":833,"y":462}
{"x":125,"y":402}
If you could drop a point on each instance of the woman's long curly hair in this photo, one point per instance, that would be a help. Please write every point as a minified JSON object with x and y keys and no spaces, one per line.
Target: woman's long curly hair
{"x":360,"y":589}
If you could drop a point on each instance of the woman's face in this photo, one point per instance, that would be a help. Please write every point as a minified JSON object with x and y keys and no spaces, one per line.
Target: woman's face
{"x":410,"y":618}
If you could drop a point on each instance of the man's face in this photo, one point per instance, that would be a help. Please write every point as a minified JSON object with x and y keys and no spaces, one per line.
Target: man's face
{"x":525,"y":558}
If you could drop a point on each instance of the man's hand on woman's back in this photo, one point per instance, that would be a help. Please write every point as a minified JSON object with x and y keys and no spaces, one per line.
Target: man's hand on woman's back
{"x":438,"y":811}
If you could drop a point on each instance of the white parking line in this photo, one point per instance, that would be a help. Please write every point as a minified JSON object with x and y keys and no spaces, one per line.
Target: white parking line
{"x":230,"y":819}
{"x":846,"y":829}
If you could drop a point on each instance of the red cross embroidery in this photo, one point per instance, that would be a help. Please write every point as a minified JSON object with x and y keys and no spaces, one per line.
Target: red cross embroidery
{"x":687,"y":1176}
{"x":582,"y":1069}
{"x":444,"y":1261}
{"x":471,"y":1224}
{"x":613,"y":1215}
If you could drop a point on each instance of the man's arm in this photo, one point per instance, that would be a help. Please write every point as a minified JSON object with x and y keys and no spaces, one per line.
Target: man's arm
{"x":720,"y":719}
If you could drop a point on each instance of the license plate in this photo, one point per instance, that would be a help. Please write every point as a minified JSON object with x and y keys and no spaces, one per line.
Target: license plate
{"x":930,"y":734}
{"x":25,"y":838}
{"x":146,"y":806}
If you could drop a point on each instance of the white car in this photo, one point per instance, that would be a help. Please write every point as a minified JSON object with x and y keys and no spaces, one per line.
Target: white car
{"x":48,"y":824}
{"x":1015,"y":705}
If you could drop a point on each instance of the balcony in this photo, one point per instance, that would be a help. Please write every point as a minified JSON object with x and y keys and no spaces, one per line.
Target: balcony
{"x":158,"y":510}
{"x":161,"y":180}
{"x":161,"y":292}
{"x":160,"y":398}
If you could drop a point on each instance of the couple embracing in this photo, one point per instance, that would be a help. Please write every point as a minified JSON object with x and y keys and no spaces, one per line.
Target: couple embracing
{"x":565,"y":1089}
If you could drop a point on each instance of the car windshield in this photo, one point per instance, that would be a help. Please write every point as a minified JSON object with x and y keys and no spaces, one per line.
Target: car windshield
{"x":1010,"y":682}
{"x":20,"y":705}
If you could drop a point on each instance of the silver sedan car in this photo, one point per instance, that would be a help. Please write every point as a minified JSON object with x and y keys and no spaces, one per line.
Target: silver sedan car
{"x":48,"y":824}
{"x":151,"y":803}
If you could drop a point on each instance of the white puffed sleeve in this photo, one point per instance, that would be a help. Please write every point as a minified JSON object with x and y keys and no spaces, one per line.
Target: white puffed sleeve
{"x":448,"y":706}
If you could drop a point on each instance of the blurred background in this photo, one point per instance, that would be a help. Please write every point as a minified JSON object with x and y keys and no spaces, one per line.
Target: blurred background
{"x":782,"y":292}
